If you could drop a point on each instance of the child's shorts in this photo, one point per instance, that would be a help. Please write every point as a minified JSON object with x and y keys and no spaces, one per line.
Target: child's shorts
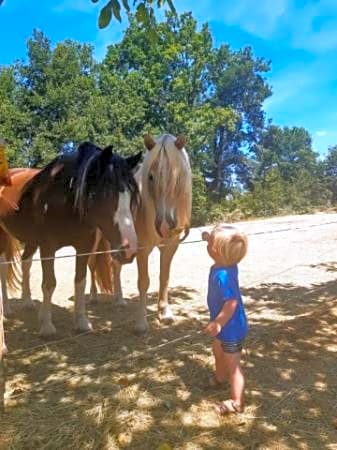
{"x":232,"y":347}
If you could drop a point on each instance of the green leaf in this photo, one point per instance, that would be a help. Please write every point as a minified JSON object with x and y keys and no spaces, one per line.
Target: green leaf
{"x":142,"y":14}
{"x":116,"y":9}
{"x":171,"y":5}
{"x":105,"y":16}
{"x":153,"y":36}
{"x":126,"y":5}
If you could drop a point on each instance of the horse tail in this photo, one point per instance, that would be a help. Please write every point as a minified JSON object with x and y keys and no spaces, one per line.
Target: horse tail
{"x":12,"y":250}
{"x":101,"y":264}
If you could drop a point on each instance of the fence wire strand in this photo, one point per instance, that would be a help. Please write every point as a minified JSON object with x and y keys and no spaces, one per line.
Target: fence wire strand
{"x":143,"y":247}
{"x":155,"y":348}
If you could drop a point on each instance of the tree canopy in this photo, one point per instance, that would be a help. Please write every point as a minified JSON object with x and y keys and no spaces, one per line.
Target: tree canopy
{"x":179,"y":83}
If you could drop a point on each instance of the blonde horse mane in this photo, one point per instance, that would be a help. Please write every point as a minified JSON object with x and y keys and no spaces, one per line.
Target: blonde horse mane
{"x":169,"y":169}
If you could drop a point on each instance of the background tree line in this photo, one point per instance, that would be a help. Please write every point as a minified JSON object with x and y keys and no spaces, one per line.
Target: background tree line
{"x":243,"y":165}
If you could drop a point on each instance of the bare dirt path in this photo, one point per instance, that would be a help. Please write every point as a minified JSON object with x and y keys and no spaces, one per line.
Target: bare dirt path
{"x":112,"y":390}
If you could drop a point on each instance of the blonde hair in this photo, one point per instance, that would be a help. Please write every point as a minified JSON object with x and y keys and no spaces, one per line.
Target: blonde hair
{"x":229,"y":243}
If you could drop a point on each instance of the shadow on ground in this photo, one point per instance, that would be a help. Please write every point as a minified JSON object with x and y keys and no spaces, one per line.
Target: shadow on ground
{"x":112,"y":389}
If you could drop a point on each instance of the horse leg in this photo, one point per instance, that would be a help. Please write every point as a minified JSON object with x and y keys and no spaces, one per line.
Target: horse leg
{"x":118,"y":295}
{"x":165,"y":313}
{"x":7,"y":310}
{"x":26,"y":264}
{"x":93,"y":285}
{"x":92,"y":267}
{"x":48,"y":287}
{"x":82,"y":323}
{"x":142,"y":325}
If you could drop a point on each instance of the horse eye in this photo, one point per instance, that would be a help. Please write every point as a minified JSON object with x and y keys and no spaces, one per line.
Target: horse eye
{"x":151,"y":177}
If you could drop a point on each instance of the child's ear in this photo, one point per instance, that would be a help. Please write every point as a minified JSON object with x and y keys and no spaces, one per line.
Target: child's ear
{"x":205,"y":236}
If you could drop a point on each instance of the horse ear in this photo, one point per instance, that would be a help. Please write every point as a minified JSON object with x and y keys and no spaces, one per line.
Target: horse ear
{"x":133,"y":161}
{"x":180,"y":142}
{"x":149,"y":142}
{"x":106,"y":154}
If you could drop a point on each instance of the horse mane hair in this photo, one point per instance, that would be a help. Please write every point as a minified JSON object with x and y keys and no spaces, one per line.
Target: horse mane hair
{"x":173,"y":176}
{"x":84,"y":174}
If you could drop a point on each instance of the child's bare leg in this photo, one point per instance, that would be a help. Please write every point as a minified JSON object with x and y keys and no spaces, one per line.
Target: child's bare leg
{"x":236,"y":377}
{"x":221,"y":369}
{"x":237,"y":382}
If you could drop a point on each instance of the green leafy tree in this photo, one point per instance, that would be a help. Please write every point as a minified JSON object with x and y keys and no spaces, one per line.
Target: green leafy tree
{"x":237,"y":80}
{"x":285,"y":159}
{"x":329,"y":167}
{"x":57,"y":88}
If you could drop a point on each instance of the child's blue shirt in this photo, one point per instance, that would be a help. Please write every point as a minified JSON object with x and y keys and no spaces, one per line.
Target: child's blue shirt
{"x":223,"y":285}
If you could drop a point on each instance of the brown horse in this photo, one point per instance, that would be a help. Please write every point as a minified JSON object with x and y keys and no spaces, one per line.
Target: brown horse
{"x":162,"y":219}
{"x":64,"y":204}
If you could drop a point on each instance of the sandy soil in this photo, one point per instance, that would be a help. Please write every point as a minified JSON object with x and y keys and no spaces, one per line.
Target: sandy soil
{"x":112,"y":390}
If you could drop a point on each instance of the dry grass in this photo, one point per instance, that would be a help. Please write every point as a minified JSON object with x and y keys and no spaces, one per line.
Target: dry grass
{"x":113,"y":390}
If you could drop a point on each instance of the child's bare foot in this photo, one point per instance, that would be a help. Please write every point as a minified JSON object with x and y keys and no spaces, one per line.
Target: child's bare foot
{"x":228,"y":407}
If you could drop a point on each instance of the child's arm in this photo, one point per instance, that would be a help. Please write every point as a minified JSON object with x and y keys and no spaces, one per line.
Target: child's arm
{"x":227,"y":311}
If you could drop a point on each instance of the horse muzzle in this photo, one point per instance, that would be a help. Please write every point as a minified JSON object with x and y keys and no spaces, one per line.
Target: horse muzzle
{"x":125,"y":255}
{"x":166,"y":227}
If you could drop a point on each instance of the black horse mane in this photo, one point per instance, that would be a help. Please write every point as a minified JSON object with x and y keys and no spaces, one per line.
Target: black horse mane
{"x":83,"y":175}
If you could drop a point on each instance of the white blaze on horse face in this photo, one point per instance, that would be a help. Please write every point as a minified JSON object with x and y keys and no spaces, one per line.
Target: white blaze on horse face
{"x":124,"y":220}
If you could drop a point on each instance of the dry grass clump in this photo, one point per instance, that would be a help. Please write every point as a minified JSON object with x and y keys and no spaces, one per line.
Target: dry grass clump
{"x":91,"y":392}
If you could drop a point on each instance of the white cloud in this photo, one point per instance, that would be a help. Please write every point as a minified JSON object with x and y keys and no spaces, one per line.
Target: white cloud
{"x":310,"y":26}
{"x":321,"y":133}
{"x":293,"y":85}
{"x":258,"y":18}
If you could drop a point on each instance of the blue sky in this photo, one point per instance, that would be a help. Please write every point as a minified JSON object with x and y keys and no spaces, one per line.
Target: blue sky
{"x":298,"y":36}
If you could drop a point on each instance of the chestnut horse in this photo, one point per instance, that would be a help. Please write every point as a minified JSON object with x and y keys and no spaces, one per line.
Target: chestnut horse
{"x":162,"y":219}
{"x":64,"y":204}
{"x":10,"y":251}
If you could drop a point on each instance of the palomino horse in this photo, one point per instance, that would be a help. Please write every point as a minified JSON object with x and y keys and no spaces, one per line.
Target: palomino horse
{"x":64,"y":204}
{"x":162,"y":219}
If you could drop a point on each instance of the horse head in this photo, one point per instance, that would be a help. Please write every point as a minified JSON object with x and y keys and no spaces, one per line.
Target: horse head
{"x":106,"y":194}
{"x":166,"y":181}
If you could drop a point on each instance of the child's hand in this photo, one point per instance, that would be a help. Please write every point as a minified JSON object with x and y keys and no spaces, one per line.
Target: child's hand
{"x":213,"y":329}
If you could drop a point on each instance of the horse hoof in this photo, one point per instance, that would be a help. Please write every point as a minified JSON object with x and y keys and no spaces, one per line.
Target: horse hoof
{"x":166,"y":316}
{"x":83,"y":325}
{"x":28,"y":304}
{"x":166,"y":320}
{"x":92,"y":301}
{"x":47,"y":330}
{"x":120,"y":301}
{"x":141,"y":330}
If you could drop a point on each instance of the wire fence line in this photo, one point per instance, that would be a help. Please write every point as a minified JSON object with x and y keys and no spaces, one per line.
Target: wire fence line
{"x":114,"y":363}
{"x":195,"y":241}
{"x":20,"y":352}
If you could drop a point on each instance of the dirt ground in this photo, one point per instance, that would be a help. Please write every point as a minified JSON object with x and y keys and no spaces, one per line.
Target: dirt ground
{"x":114,"y":390}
